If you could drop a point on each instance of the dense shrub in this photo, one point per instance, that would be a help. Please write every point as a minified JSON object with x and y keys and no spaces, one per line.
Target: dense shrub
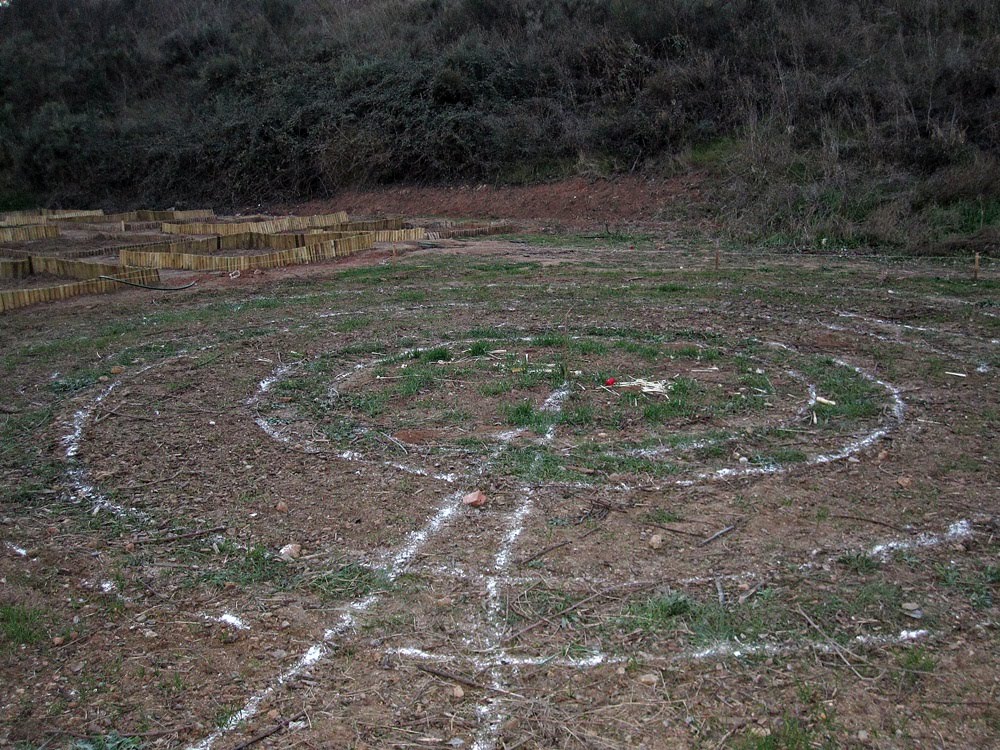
{"x":237,"y":102}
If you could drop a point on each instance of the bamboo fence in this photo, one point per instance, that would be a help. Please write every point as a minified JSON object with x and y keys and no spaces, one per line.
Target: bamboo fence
{"x":400,"y":235}
{"x":28,"y":233}
{"x":89,"y":252}
{"x":141,"y":216}
{"x":10,"y":300}
{"x":15,"y":268}
{"x":42,"y":216}
{"x":246,"y":240}
{"x":269,"y":226}
{"x":74,"y":269}
{"x":469,"y":231}
{"x":193,"y":261}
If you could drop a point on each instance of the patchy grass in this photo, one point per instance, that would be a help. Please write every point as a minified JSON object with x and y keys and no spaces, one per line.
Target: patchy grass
{"x":854,"y":397}
{"x":859,"y":562}
{"x":704,"y":623}
{"x":21,"y":625}
{"x":349,"y":581}
{"x":251,"y":567}
{"x":662,"y":515}
{"x":793,"y":733}
{"x":112,"y":741}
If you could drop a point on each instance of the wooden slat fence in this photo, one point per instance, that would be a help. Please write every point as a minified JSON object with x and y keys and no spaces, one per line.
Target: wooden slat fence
{"x":15,"y":268}
{"x":10,"y":300}
{"x":270,"y":226}
{"x":193,"y":261}
{"x":28,"y":233}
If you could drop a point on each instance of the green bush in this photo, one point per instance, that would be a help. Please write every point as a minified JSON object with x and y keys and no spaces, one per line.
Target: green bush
{"x":132,"y":102}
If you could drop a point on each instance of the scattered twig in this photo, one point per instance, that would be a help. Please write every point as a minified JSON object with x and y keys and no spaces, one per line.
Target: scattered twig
{"x":570,"y":608}
{"x":108,"y":412}
{"x":396,"y":442}
{"x":545,"y":551}
{"x":268,"y":732}
{"x":159,"y":481}
{"x":869,"y":520}
{"x":837,"y":648}
{"x":672,"y":531}
{"x":716,"y":535}
{"x":153,"y":591}
{"x":445,"y":675}
{"x":554,"y":547}
{"x":722,"y":592}
{"x":157,"y":733}
{"x":750,"y":592}
{"x":179,"y":537}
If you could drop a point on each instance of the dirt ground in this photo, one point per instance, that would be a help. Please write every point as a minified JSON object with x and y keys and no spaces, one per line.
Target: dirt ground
{"x":750,"y":507}
{"x":574,"y":202}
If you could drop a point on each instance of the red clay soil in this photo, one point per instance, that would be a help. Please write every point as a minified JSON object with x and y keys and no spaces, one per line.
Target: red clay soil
{"x":580,"y":201}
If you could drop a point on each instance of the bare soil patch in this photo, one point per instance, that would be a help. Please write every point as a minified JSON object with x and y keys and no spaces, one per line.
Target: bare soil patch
{"x":579,"y":201}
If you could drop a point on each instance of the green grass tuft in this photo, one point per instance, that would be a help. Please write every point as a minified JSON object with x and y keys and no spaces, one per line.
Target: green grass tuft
{"x":21,"y":625}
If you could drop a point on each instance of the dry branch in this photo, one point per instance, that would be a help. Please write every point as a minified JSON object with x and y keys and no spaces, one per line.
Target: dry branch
{"x":716,"y":535}
{"x":268,"y":732}
{"x":179,"y":537}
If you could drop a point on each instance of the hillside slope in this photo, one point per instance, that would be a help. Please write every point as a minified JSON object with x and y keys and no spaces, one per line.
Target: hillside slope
{"x":872,"y":121}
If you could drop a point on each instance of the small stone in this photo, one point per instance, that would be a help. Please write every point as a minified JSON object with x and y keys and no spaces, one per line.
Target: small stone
{"x":76,"y":668}
{"x":103,"y":379}
{"x":656,"y":541}
{"x":475,"y":499}
{"x":457,"y":693}
{"x":649,"y":679}
{"x":285,"y":624}
{"x":290,"y":552}
{"x":863,"y":736}
{"x":883,"y":455}
{"x":129,"y":546}
{"x":117,"y":370}
{"x":904,"y":481}
{"x":281,"y":507}
{"x":58,"y":640}
{"x":910,"y":606}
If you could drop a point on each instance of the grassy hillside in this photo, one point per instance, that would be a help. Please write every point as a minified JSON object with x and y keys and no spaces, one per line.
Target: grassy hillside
{"x":857,"y":122}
